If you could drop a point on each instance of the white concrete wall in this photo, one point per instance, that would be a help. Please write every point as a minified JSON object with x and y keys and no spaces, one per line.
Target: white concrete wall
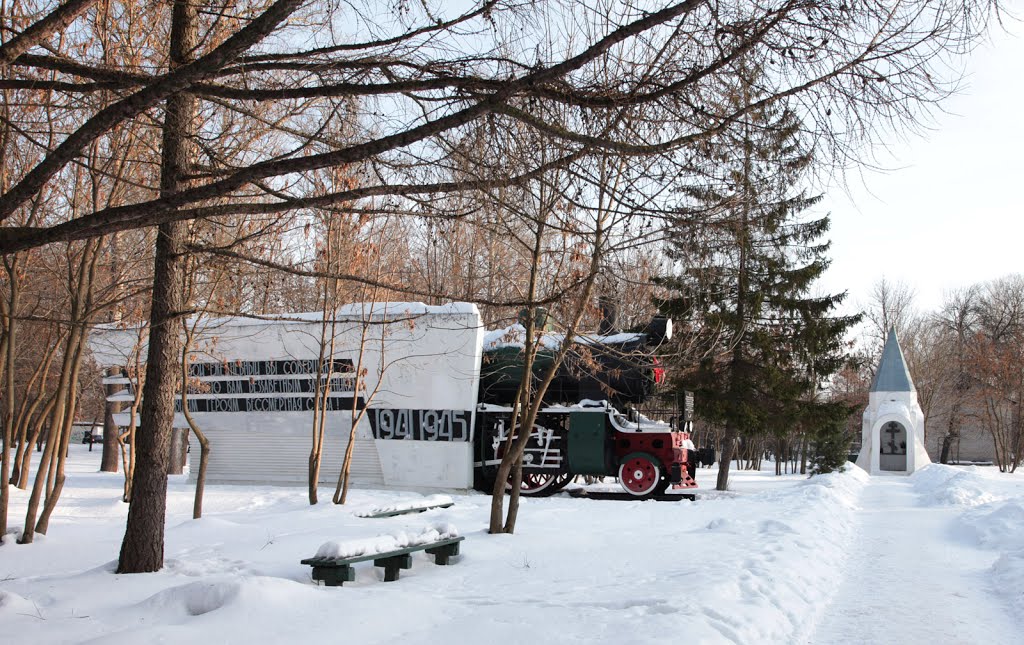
{"x":885,"y":407}
{"x":416,"y":358}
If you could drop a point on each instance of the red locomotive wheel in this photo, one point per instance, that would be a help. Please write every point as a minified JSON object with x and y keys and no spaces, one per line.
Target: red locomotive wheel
{"x":639,"y":475}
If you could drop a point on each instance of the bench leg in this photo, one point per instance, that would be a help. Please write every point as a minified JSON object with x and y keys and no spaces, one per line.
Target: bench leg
{"x":442,"y":553}
{"x":334,"y":576}
{"x":393,"y":564}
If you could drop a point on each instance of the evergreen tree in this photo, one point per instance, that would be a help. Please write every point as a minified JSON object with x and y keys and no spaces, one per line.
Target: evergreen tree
{"x":831,"y":446}
{"x":748,"y":261}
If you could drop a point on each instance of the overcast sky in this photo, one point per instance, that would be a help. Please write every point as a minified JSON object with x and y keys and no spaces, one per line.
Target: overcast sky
{"x":949,"y":212}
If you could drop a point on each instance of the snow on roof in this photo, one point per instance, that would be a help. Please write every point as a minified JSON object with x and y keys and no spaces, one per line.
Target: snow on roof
{"x":515,"y":336}
{"x":584,"y":404}
{"x":359,"y":311}
{"x":354,"y":311}
{"x":892,"y":374}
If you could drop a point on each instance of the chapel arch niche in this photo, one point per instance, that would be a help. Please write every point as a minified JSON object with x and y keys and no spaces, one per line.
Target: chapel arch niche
{"x":893,"y":447}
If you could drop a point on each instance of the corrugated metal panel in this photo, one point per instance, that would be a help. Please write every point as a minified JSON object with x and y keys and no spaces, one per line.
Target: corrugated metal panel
{"x":243,"y":456}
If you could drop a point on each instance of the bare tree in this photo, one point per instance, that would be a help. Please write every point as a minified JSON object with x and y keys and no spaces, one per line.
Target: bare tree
{"x":50,"y":476}
{"x":852,"y":67}
{"x":997,"y":362}
{"x":891,"y":306}
{"x":142,"y":548}
{"x":958,"y":321}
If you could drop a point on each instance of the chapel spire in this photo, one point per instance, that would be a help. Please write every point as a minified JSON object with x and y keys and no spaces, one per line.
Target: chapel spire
{"x":892,"y":374}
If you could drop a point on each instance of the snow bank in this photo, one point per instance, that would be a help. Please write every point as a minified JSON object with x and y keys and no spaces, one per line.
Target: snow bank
{"x":996,"y":526}
{"x":942,"y":485}
{"x":196,"y":598}
{"x":11,"y":604}
{"x":1008,"y":579}
{"x":779,"y":553}
{"x":222,"y":609}
{"x":427,"y":502}
{"x":385,"y":543}
{"x":757,"y":564}
{"x":1000,"y":527}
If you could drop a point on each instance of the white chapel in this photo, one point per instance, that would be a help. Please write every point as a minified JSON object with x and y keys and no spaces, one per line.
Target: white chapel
{"x":893,"y":427}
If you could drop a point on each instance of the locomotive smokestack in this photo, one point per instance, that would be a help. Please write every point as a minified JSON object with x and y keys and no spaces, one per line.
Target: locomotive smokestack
{"x":609,"y":316}
{"x":658,"y":330}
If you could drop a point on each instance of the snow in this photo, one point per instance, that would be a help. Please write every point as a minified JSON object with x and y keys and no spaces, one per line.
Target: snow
{"x":385,"y":543}
{"x":356,"y":311}
{"x":946,"y":485}
{"x":424,"y":503}
{"x":515,"y":336}
{"x":842,"y":558}
{"x":584,"y":404}
{"x":916,"y":573}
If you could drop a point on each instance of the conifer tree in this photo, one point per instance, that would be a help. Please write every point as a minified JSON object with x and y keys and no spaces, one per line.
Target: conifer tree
{"x":746,"y":260}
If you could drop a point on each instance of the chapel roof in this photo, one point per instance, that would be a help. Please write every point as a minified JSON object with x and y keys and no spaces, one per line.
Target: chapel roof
{"x":892,"y":374}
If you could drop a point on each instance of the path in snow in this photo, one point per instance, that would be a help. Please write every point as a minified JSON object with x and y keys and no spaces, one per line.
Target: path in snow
{"x":910,"y":579}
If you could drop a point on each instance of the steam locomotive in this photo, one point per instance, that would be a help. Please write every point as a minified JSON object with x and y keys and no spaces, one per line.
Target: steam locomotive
{"x":588,"y":425}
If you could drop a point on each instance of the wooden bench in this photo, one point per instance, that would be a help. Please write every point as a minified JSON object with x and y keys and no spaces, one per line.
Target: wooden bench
{"x":334,"y":572}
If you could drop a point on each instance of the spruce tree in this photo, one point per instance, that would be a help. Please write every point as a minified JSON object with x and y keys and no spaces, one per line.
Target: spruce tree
{"x":830,"y":449}
{"x":746,"y":260}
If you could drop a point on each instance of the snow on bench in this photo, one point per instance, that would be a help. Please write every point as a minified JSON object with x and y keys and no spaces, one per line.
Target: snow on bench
{"x":416,"y":506}
{"x":333,"y":561}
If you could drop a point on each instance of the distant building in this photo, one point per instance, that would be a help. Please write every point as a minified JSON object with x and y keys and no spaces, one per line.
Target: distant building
{"x":971,"y":440}
{"x":971,"y":444}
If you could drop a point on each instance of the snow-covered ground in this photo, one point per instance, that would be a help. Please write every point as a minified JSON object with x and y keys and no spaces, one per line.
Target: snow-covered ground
{"x":933,"y":558}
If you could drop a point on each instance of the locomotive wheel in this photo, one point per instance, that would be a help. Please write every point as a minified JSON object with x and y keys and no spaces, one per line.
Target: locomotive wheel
{"x":542,"y":485}
{"x":640,"y":475}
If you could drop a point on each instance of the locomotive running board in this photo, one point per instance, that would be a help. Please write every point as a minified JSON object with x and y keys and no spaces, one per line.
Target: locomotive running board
{"x":583,"y":493}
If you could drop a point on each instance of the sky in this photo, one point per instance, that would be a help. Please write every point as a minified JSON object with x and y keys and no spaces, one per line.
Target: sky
{"x":947,"y":212}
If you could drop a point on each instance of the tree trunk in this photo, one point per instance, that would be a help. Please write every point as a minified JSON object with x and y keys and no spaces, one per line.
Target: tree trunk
{"x":179,"y":448}
{"x":25,"y":451}
{"x":21,"y":441}
{"x":44,"y":481}
{"x":9,"y":349}
{"x":736,"y":363}
{"x":128,"y":455}
{"x":204,"y":443}
{"x":952,"y":431}
{"x":204,"y":462}
{"x":108,"y":462}
{"x":321,"y":393}
{"x":805,"y":446}
{"x":356,"y":415}
{"x":60,"y":458}
{"x":728,"y":452}
{"x":28,"y":535}
{"x":143,"y":547}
